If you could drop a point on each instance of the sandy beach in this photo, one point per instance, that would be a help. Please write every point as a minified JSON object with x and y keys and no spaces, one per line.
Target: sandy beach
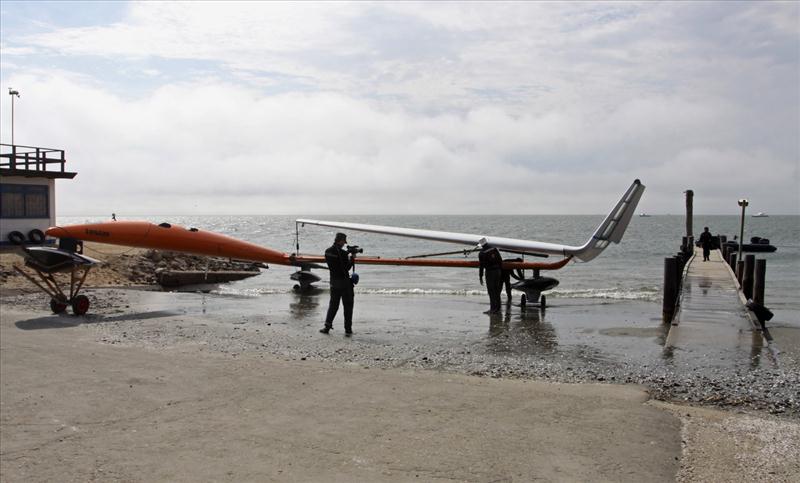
{"x":154,"y":387}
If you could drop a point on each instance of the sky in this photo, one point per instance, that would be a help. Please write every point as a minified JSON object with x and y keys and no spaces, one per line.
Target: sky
{"x":408,"y":108}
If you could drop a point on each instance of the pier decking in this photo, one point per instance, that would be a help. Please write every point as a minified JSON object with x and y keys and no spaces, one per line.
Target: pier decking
{"x":711,"y":316}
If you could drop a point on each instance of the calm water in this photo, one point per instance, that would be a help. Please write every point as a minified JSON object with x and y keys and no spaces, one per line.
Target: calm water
{"x":632,"y":270}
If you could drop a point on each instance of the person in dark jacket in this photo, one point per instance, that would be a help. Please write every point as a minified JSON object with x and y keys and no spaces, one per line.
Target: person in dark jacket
{"x":705,"y":242}
{"x":491,"y":263}
{"x":339,"y":264}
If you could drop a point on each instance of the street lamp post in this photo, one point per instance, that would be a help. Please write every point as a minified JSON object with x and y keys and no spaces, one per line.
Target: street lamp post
{"x":12,"y":93}
{"x":743,"y":203}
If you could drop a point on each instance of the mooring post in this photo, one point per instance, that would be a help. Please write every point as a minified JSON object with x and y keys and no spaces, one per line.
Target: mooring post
{"x":747,"y":277}
{"x":685,"y":244}
{"x":760,"y":281}
{"x":670,"y":288}
{"x":689,"y":212}
{"x":743,"y":203}
{"x":739,"y":271}
{"x":732,"y":260}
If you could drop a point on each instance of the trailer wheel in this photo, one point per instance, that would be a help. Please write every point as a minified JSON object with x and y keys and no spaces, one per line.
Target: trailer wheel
{"x":16,"y":238}
{"x":57,"y":306}
{"x":80,"y":305}
{"x":36,"y":236}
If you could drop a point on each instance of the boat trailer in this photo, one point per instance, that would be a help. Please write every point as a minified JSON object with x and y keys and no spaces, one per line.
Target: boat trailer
{"x":68,"y":258}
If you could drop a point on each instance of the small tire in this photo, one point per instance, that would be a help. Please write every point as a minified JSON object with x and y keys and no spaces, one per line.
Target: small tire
{"x":16,"y":238}
{"x":80,"y":305}
{"x":57,"y":306}
{"x":36,"y":236}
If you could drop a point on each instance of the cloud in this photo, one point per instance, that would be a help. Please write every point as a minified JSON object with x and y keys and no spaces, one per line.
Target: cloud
{"x":416,"y":107}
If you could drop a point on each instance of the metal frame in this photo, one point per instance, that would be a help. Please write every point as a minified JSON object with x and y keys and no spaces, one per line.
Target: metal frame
{"x":52,"y":287}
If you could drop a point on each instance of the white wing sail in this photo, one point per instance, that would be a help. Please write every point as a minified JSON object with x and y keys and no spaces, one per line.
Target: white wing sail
{"x":610,"y":230}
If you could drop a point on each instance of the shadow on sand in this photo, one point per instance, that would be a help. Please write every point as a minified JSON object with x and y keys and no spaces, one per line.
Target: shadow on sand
{"x":63,"y":321}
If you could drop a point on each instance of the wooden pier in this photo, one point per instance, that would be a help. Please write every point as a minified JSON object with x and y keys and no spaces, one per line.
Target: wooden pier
{"x":711,"y":315}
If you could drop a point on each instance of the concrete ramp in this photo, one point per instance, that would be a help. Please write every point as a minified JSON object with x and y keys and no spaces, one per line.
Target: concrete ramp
{"x":711,"y":319}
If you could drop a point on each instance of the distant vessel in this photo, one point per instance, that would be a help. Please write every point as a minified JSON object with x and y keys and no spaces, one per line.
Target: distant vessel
{"x":643,"y":214}
{"x":761,"y":214}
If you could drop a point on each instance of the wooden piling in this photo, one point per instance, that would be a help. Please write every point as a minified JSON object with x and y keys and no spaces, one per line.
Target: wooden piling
{"x":732,"y":260}
{"x":739,"y":271}
{"x":759,"y":281}
{"x":670,"y":288}
{"x":689,"y":212}
{"x":747,"y":276}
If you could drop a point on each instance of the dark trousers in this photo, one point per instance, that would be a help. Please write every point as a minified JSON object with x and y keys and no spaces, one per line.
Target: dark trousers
{"x":507,"y":282}
{"x":341,"y":290}
{"x":706,"y":251}
{"x":494,"y":285}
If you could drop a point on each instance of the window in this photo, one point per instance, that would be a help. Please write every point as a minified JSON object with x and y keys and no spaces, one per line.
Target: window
{"x":24,"y":201}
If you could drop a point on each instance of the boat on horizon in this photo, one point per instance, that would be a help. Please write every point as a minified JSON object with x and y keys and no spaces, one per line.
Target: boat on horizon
{"x":761,"y":214}
{"x":643,"y":214}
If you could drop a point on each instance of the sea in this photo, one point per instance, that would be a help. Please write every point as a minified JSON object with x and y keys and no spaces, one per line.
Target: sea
{"x":629,"y":271}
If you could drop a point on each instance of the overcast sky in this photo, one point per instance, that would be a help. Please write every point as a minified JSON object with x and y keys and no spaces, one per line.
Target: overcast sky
{"x":327,"y":108}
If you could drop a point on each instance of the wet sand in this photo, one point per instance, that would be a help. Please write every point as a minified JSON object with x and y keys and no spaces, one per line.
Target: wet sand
{"x":189,"y":386}
{"x":573,"y":341}
{"x":76,"y":410}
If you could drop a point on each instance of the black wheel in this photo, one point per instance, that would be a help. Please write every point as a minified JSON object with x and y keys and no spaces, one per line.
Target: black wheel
{"x":36,"y":236}
{"x":544,"y":301}
{"x":57,"y":306}
{"x":80,"y":305}
{"x":16,"y":238}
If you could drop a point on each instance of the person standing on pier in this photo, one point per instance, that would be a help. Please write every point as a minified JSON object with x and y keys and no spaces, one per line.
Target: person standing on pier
{"x":705,"y":242}
{"x":492,"y":263}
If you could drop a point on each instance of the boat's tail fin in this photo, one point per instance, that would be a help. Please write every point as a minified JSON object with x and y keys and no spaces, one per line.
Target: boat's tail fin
{"x":614,"y":226}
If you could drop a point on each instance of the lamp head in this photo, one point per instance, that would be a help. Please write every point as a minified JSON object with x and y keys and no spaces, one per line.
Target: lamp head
{"x":743,"y":202}
{"x":13,"y":92}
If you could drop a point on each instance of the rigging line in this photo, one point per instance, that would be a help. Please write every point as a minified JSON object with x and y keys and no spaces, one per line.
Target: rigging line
{"x":465,"y":252}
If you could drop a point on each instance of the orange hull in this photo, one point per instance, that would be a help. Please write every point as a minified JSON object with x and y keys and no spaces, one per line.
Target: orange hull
{"x":143,"y":234}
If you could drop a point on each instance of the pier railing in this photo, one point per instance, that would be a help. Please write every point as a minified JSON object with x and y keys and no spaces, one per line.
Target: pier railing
{"x":31,"y":158}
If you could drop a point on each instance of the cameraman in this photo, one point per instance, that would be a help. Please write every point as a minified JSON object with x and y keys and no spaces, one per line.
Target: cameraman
{"x":339,"y":263}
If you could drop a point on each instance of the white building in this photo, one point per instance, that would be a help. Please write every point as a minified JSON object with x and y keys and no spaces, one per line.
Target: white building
{"x":28,"y":177}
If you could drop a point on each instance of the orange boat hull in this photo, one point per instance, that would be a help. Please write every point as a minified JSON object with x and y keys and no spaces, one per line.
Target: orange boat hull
{"x":143,"y":234}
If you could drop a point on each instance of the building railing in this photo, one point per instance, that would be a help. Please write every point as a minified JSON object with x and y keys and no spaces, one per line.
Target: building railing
{"x":30,"y":158}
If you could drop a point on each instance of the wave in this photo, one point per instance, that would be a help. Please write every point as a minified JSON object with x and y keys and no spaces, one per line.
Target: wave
{"x":420,"y":291}
{"x":647,"y":294}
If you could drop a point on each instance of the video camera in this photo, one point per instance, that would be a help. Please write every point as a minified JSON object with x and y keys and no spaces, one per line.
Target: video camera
{"x":352,"y":250}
